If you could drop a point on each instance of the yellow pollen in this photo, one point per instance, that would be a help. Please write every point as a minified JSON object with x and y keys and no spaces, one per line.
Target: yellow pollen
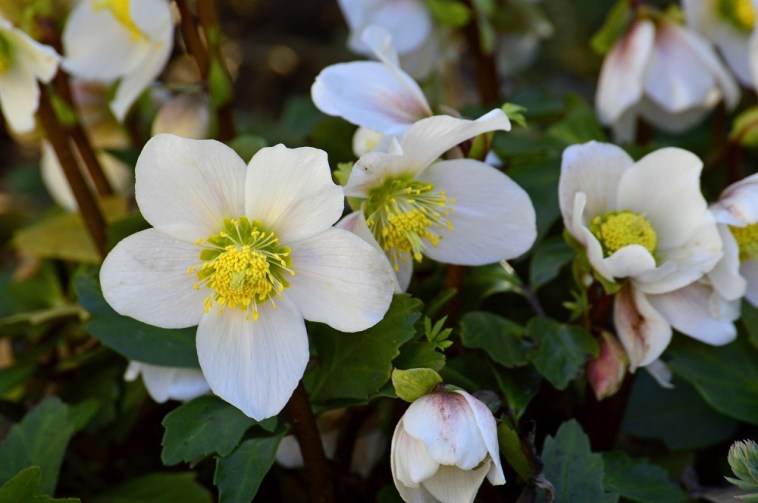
{"x":616,"y":230}
{"x":243,"y":266}
{"x":405,"y":216}
{"x":120,"y":10}
{"x":740,"y":13}
{"x":747,"y":240}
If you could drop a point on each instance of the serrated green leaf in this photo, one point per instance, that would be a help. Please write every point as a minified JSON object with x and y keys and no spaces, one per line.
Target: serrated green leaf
{"x":417,"y":354}
{"x":412,"y":384}
{"x":519,"y":387}
{"x":615,"y":24}
{"x":23,"y":486}
{"x":206,"y":425}
{"x":157,"y":488}
{"x":656,"y":412}
{"x":549,"y":257}
{"x":354,"y":366}
{"x":129,"y":337}
{"x":562,"y":351}
{"x":639,"y":480}
{"x":726,"y":377}
{"x":40,"y":439}
{"x":502,"y":339}
{"x":575,"y":472}
{"x":239,"y":475}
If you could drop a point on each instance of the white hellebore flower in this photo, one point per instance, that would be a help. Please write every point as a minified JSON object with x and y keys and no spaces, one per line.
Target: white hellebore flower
{"x":409,"y":22}
{"x":664,"y":73}
{"x":458,"y":211}
{"x":736,"y":212}
{"x":128,"y":41}
{"x":730,"y":25}
{"x":168,"y":383}
{"x":378,"y":96}
{"x":245,"y":253}
{"x":643,"y":221}
{"x":23,"y":62}
{"x":443,"y":448}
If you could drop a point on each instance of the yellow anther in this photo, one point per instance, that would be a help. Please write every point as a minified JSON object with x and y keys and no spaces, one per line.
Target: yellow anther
{"x":739,"y":13}
{"x":618,"y":229}
{"x":747,"y":240}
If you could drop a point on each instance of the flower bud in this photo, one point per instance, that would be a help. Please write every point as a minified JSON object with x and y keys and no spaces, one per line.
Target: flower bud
{"x":186,"y":115}
{"x":606,"y":372}
{"x":443,"y":447}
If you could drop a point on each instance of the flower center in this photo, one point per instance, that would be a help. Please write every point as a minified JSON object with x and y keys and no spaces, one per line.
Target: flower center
{"x":747,"y":240}
{"x":6,"y":53}
{"x":739,"y":13}
{"x":618,"y":229}
{"x":120,"y":10}
{"x":244,"y":266}
{"x":402,"y":213}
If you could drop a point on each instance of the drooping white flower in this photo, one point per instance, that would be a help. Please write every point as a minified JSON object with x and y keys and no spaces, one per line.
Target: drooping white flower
{"x":645,"y":222}
{"x":663,"y":72}
{"x":443,"y":447}
{"x":379,"y":95}
{"x":168,"y":383}
{"x":730,"y":25}
{"x":245,"y":253}
{"x":23,"y":62}
{"x":128,"y":41}
{"x":736,"y":212}
{"x":458,"y":211}
{"x":409,"y":22}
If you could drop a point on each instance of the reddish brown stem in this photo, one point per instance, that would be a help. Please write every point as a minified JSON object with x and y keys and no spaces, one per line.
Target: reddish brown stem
{"x":484,"y":64}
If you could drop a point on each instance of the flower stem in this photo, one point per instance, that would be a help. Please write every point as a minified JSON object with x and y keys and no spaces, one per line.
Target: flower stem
{"x":300,"y":416}
{"x":85,"y":200}
{"x":484,"y":63}
{"x":191,"y":38}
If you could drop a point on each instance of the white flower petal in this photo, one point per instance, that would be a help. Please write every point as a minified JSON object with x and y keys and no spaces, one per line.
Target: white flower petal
{"x":725,"y":275}
{"x":453,"y":485}
{"x":594,"y":169}
{"x":749,"y":270}
{"x":734,"y":46}
{"x":429,"y":138}
{"x":738,"y":203}
{"x":675,"y":122}
{"x":254,"y":365}
{"x":168,"y":383}
{"x":408,"y":21}
{"x":145,"y":277}
{"x":690,"y":311}
{"x":340,"y":280}
{"x":493,"y":218}
{"x":291,"y":192}
{"x":753,"y":51}
{"x":660,"y":372}
{"x":186,"y":188}
{"x":642,"y":330}
{"x":41,"y":60}
{"x":448,"y":429}
{"x":488,"y":428}
{"x":370,"y":171}
{"x":620,"y":83}
{"x":369,"y":94}
{"x":629,"y":261}
{"x":411,"y":461}
{"x":19,"y":98}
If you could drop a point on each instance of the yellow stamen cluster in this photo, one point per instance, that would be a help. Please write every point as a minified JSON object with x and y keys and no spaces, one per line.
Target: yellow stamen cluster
{"x":738,"y":12}
{"x":243,"y":266}
{"x":747,"y":240}
{"x":404,"y":214}
{"x":120,"y":10}
{"x":618,"y":229}
{"x":6,"y":53}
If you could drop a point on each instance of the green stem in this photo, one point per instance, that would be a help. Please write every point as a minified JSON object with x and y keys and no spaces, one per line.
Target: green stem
{"x":85,"y":200}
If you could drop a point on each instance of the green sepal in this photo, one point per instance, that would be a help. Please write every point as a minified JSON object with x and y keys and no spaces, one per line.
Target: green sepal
{"x":412,"y":384}
{"x":617,"y":22}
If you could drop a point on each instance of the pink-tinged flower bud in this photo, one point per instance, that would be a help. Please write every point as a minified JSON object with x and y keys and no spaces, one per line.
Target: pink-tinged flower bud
{"x":443,"y":448}
{"x":606,"y":372}
{"x":185,"y":115}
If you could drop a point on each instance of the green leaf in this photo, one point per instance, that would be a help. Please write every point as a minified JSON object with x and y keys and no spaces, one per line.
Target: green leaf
{"x":129,"y":337}
{"x":23,"y":486}
{"x":417,"y":354}
{"x":219,"y":84}
{"x":656,"y":412}
{"x":510,"y":447}
{"x":749,"y":321}
{"x":726,"y":377}
{"x":502,"y":339}
{"x":246,"y":145}
{"x":743,"y":459}
{"x":40,"y":439}
{"x":355,"y":366}
{"x":450,"y":13}
{"x":485,"y":281}
{"x":206,"y":425}
{"x":412,"y":384}
{"x":519,"y":386}
{"x":14,"y":376}
{"x":615,"y":24}
{"x":562,"y":351}
{"x":239,"y":475}
{"x":575,"y":472}
{"x":157,"y":488}
{"x":515,"y":113}
{"x":539,"y":178}
{"x":548,"y":258}
{"x":639,"y":480}
{"x":579,"y":125}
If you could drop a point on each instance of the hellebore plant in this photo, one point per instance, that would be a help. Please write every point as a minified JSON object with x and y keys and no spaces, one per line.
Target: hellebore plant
{"x":459,"y":211}
{"x":168,"y":383}
{"x":245,"y":253}
{"x":443,"y":447}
